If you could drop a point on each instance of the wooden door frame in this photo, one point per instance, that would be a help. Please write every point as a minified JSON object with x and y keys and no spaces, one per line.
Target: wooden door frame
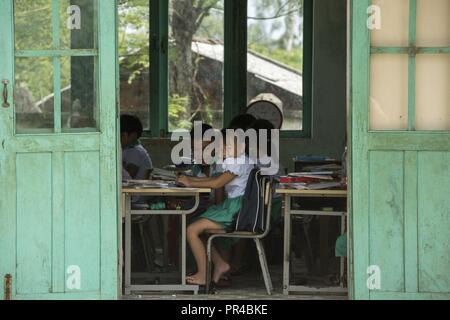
{"x":106,"y":144}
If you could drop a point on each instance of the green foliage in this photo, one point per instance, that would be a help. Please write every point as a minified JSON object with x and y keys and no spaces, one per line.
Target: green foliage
{"x":292,"y":58}
{"x":274,"y":31}
{"x":178,"y":114}
{"x":36,"y":74}
{"x":134,"y":30}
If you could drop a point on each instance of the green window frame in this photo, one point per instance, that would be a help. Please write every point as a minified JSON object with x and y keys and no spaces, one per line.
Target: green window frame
{"x":235,"y":66}
{"x":412,"y":51}
{"x":56,"y":53}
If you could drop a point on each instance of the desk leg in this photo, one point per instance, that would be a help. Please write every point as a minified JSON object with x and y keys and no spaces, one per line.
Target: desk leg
{"x":342,"y":262}
{"x":287,"y":244}
{"x":183,"y":249}
{"x":127,"y":244}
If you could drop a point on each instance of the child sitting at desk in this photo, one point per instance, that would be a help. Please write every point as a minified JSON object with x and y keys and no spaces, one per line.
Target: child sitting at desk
{"x":234,"y":179}
{"x":135,"y":159}
{"x":239,"y":258}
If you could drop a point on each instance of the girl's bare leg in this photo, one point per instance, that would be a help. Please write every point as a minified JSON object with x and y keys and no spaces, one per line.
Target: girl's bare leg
{"x":221,"y":266}
{"x":194,"y":231}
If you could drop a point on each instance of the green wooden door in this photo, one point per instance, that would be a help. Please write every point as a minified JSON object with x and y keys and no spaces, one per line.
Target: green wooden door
{"x":400,"y":223}
{"x":58,"y":149}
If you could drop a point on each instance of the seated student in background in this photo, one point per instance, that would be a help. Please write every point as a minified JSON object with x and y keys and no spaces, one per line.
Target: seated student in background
{"x":135,"y":158}
{"x":201,"y":170}
{"x":234,"y":178}
{"x":242,"y":121}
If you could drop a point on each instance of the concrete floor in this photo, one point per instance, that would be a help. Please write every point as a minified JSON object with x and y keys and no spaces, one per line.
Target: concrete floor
{"x":246,"y":287}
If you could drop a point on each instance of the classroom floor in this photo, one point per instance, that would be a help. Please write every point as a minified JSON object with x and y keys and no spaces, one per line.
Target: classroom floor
{"x":249,"y":287}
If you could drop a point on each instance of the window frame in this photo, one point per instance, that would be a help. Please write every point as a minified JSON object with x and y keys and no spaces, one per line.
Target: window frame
{"x":235,"y":66}
{"x":412,"y":50}
{"x":56,"y":53}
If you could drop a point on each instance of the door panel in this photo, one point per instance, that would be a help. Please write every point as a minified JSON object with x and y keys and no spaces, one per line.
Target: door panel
{"x":400,"y":153}
{"x":59,"y":216}
{"x":386,"y":217}
{"x":434,"y":222}
{"x":34,"y":223}
{"x":82,"y":218}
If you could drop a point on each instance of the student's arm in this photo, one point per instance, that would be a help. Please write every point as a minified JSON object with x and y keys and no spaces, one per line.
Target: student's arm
{"x":132,"y":170}
{"x":219,"y":195}
{"x":200,"y":179}
{"x":213,"y":183}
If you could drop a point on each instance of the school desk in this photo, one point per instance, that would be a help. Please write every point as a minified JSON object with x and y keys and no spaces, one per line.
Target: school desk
{"x":127,"y":193}
{"x":288,"y":213}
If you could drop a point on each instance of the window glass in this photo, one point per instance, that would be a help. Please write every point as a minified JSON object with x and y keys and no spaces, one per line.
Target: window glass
{"x":389,"y":92}
{"x":134,"y":58}
{"x":275,"y":56}
{"x":196,"y":59}
{"x":33,"y":94}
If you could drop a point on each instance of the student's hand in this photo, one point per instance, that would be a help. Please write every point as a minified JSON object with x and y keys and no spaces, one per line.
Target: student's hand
{"x":184,"y":181}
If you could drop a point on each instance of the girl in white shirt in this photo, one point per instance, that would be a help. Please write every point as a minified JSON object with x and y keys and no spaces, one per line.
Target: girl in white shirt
{"x":235,"y":172}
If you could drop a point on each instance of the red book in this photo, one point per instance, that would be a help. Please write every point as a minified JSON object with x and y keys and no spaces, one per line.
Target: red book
{"x":299,"y":180}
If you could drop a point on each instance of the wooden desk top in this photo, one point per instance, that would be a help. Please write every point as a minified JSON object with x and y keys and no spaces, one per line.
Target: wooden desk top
{"x":158,"y":191}
{"x":313,"y":193}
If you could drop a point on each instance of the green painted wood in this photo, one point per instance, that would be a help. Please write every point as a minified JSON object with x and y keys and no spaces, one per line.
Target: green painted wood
{"x":56,"y":143}
{"x":82,"y":216}
{"x":412,"y":66}
{"x":409,"y":296}
{"x":56,"y":67}
{"x":360,"y":172}
{"x":411,"y":194}
{"x":56,"y":53}
{"x":412,"y":141}
{"x":34,"y":223}
{"x":386,"y":217}
{"x":86,"y":296}
{"x":159,"y":83}
{"x":407,"y":200}
{"x":434,"y":222}
{"x":8,"y":161}
{"x":109,"y":152}
{"x":58,"y":199}
{"x":407,"y":50}
{"x":72,"y":199}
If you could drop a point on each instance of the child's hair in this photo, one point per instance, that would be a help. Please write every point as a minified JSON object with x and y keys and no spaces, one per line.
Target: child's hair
{"x":130,"y":124}
{"x":262,"y":124}
{"x":205,"y":127}
{"x":242,"y":121}
{"x":224,"y":137}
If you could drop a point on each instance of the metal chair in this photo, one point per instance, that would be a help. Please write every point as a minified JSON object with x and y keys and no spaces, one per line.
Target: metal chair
{"x":266,"y":190}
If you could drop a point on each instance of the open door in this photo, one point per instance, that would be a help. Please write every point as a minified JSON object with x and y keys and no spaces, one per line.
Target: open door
{"x":58,"y":149}
{"x":400,"y":149}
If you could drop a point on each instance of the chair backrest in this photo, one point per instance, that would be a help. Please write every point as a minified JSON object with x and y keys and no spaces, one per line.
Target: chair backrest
{"x":251,"y":215}
{"x":267,"y":183}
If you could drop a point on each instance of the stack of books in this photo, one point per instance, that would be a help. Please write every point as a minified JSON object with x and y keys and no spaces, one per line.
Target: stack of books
{"x":315,"y":177}
{"x":162,"y":174}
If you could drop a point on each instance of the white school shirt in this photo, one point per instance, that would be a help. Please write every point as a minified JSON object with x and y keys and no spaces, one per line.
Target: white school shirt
{"x":137,"y":156}
{"x":241,"y":168}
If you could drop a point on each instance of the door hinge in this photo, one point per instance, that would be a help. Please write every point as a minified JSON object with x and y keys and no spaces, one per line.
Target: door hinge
{"x":8,"y":287}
